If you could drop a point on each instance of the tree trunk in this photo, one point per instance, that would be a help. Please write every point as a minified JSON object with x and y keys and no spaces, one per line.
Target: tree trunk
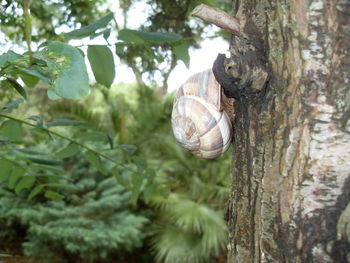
{"x":291,"y":154}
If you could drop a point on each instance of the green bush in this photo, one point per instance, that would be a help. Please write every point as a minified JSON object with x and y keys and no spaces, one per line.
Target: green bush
{"x":92,"y":222}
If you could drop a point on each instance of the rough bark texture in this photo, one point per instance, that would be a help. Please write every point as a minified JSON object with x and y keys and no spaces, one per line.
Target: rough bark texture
{"x":291,"y":154}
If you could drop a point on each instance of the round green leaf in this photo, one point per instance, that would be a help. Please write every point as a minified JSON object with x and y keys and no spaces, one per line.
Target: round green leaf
{"x":66,"y":63}
{"x":11,"y":130}
{"x":102,"y":64}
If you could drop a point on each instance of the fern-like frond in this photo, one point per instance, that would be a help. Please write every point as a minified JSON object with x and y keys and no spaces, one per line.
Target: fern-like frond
{"x":197,"y":233}
{"x":174,"y":246}
{"x":81,"y":112}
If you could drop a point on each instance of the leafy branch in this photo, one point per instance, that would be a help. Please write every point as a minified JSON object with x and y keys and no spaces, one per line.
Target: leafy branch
{"x":69,"y":140}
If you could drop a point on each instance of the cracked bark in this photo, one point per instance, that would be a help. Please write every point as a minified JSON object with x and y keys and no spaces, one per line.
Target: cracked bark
{"x":291,"y":154}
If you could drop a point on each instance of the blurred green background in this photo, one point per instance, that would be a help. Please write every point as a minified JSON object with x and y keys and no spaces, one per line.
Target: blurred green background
{"x":100,"y":178}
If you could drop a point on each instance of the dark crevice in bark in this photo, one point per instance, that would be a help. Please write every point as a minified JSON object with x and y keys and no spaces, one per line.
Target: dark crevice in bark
{"x":283,"y":237}
{"x":249,"y":162}
{"x":274,"y":126}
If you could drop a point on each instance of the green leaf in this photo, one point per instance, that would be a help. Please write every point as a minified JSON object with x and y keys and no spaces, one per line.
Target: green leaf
{"x":8,"y":57}
{"x":120,"y":49}
{"x":25,"y":183}
{"x":94,"y":136}
{"x":32,"y":72}
{"x":64,"y":123}
{"x":68,"y":151}
{"x":17,"y":87}
{"x":181,"y":53}
{"x":95,"y":161}
{"x":6,"y":168}
{"x":70,"y":78}
{"x":13,"y":105}
{"x":139,"y":37}
{"x":11,"y":130}
{"x":41,"y":160}
{"x":102,"y":64}
{"x":53,"y":195}
{"x":37,"y":190}
{"x":17,"y":172}
{"x":90,"y":29}
{"x":130,"y":149}
{"x":29,"y":151}
{"x":106,"y":33}
{"x":49,"y":168}
{"x":29,"y":80}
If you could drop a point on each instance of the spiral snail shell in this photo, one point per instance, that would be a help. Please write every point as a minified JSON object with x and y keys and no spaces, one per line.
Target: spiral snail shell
{"x":199,"y":120}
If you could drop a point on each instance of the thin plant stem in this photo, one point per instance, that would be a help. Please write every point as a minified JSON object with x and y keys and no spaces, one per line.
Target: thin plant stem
{"x":28,"y":29}
{"x":70,"y":140}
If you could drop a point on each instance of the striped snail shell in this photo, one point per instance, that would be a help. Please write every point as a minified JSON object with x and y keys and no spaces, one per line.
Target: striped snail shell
{"x":199,"y":120}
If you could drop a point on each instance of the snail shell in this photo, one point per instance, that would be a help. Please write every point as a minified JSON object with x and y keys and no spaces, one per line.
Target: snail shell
{"x":199,"y":120}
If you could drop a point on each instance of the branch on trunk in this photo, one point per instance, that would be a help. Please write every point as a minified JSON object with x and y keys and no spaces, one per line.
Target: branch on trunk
{"x":217,"y":17}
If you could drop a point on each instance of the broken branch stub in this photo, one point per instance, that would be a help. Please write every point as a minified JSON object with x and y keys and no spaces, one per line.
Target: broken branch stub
{"x":217,"y":17}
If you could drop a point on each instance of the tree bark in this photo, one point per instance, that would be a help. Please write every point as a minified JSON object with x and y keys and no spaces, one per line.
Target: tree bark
{"x":291,"y":154}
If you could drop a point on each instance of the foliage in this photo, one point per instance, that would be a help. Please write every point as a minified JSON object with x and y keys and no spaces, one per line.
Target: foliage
{"x":47,"y":16}
{"x":156,"y":53}
{"x":46,"y":166}
{"x":193,"y":232}
{"x":145,"y":117}
{"x":93,"y":221}
{"x":63,"y":150}
{"x":190,"y":225}
{"x":57,"y":64}
{"x":62,"y":66}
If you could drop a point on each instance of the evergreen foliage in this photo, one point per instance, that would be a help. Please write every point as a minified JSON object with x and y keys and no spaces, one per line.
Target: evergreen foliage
{"x":93,"y":221}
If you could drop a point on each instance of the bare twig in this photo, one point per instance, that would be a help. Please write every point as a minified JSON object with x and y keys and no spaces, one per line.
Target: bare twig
{"x":217,"y":17}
